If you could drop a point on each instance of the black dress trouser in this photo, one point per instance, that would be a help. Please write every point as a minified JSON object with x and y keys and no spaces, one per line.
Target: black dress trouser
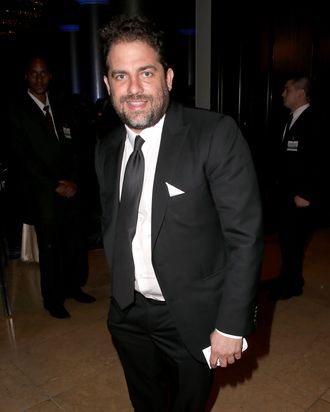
{"x":161,"y":374}
{"x":63,"y":254}
{"x":295,"y":228}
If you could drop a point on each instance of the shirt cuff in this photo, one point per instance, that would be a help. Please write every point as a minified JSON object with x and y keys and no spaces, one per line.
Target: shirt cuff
{"x":229,"y":336}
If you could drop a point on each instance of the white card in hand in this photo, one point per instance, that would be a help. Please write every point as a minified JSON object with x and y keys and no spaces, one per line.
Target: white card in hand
{"x":207,"y":352}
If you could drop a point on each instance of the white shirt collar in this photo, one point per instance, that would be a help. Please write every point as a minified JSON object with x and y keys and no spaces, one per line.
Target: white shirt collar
{"x":37,"y":101}
{"x":300,"y":109}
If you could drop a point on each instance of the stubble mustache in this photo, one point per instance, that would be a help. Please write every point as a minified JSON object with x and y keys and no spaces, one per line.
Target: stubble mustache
{"x":135,"y":97}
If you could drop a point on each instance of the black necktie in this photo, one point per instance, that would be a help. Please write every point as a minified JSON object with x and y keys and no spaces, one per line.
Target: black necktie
{"x":123,"y":272}
{"x":49,"y":119}
{"x":287,"y":127}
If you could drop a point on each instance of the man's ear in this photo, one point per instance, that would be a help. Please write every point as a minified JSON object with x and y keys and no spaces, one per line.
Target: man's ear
{"x":106,"y":81}
{"x":169,"y":78}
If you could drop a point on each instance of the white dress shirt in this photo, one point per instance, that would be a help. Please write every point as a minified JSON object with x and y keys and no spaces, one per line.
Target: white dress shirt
{"x":145,"y":278}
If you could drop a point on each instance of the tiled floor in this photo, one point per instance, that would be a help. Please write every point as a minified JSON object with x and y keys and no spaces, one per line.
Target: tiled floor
{"x":51,"y":365}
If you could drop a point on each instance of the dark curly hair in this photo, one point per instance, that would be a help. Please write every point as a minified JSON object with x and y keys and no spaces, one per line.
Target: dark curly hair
{"x":127,"y":29}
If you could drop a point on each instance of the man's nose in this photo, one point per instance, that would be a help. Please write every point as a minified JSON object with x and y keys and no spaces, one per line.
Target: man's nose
{"x":135,"y":85}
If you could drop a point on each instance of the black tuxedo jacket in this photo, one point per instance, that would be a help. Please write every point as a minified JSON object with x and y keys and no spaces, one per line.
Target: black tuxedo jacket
{"x":207,"y":242}
{"x":38,"y":158}
{"x":300,"y":167}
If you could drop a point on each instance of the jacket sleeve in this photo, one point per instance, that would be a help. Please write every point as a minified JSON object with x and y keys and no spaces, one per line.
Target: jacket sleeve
{"x":235,"y":190}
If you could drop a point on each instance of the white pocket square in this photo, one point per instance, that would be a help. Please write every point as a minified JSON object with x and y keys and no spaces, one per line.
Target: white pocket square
{"x":173,"y":191}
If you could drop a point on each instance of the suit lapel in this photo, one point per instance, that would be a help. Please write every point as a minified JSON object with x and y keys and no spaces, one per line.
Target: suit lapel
{"x":113,"y":167}
{"x":173,"y":137}
{"x":41,"y":119}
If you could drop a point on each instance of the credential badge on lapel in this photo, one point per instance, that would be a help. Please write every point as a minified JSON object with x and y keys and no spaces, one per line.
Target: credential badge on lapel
{"x":67,"y":132}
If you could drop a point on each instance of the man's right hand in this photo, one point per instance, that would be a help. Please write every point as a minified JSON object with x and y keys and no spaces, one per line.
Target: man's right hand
{"x":66,"y":188}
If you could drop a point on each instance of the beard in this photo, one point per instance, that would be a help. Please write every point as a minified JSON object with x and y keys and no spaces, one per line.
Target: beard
{"x":142,"y":119}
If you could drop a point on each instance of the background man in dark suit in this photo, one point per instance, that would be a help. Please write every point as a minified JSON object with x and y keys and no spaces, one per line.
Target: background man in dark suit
{"x":197,"y":248}
{"x":45,"y":175}
{"x":298,"y":183}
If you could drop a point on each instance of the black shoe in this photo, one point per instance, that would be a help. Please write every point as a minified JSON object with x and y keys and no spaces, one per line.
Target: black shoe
{"x":285,"y":293}
{"x":57,"y":311}
{"x":290,"y":293}
{"x":82,"y":297}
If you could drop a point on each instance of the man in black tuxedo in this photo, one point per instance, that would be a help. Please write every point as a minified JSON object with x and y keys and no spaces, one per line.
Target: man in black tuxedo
{"x":46,"y":173}
{"x":198,"y":244}
{"x":298,"y":184}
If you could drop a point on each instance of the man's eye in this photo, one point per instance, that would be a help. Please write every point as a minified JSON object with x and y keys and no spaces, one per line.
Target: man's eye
{"x":120,"y":76}
{"x":147,"y":74}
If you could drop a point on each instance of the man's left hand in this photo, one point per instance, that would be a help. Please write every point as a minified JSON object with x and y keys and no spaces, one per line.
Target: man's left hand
{"x":225,"y":349}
